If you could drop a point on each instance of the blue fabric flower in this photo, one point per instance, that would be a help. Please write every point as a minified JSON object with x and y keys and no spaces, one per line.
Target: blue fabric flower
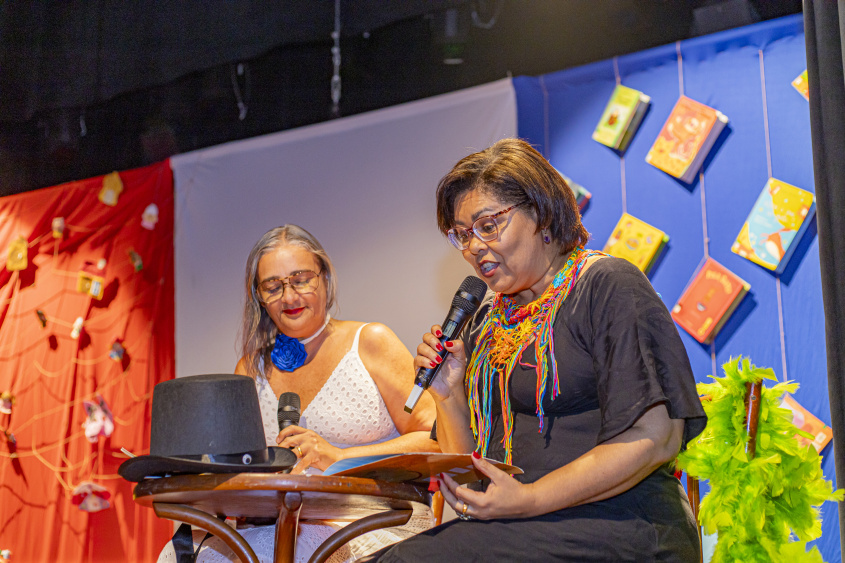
{"x":288,"y":353}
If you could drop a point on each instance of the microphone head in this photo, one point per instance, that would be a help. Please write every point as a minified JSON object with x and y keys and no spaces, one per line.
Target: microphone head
{"x":288,"y":413}
{"x":469,"y":295}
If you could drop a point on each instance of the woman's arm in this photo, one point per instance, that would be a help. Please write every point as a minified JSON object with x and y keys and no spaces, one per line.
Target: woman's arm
{"x":391,"y":367}
{"x":454,"y":432}
{"x":607,"y":470}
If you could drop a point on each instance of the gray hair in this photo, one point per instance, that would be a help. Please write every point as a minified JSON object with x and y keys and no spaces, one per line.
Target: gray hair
{"x":258,"y":332}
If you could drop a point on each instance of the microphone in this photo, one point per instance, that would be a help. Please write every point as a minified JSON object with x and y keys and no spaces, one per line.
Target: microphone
{"x":464,"y":305}
{"x":288,"y":413}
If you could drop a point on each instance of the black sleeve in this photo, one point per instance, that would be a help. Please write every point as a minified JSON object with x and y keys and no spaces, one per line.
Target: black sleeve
{"x":638,"y":357}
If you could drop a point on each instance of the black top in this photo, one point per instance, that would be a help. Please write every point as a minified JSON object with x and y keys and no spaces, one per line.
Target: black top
{"x":618,"y":354}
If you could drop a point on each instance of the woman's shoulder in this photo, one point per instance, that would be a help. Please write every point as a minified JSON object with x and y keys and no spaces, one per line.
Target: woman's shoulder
{"x":373,"y":336}
{"x":604,"y":270}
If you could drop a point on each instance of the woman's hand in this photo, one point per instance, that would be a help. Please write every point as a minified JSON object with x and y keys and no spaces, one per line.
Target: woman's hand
{"x":505,"y":497}
{"x":311,"y":449}
{"x":450,"y":378}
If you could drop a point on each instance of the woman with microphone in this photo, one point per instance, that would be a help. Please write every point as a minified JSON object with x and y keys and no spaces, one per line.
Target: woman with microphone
{"x":573,"y":371}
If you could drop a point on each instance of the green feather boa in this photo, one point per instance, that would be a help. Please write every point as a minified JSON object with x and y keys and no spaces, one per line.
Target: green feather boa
{"x":764,"y":509}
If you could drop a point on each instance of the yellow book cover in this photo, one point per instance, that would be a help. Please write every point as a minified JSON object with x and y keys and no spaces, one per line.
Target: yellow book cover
{"x":800,"y":83}
{"x":775,"y":225}
{"x":686,"y":132}
{"x":636,"y":241}
{"x":618,"y":116}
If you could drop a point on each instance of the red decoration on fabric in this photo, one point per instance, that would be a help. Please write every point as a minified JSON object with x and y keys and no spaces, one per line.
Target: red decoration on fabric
{"x":51,"y":374}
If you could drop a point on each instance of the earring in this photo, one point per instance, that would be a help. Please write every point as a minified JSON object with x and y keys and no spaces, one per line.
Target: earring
{"x":546,"y":238}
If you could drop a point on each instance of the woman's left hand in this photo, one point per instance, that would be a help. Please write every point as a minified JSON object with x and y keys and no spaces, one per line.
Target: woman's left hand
{"x":505,"y":497}
{"x":311,"y":449}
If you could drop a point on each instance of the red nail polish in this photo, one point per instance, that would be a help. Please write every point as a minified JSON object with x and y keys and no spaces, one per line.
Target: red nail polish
{"x":433,"y":364}
{"x":476,"y":455}
{"x":439,"y":333}
{"x":439,"y":348}
{"x":439,"y":359}
{"x":449,"y":344}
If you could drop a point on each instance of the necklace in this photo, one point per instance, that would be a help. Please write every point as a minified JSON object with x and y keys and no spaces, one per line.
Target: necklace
{"x":506,"y":332}
{"x":289,"y":353}
{"x":305,"y":341}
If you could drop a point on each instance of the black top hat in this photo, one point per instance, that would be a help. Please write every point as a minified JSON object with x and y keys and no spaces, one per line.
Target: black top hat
{"x":207,"y":424}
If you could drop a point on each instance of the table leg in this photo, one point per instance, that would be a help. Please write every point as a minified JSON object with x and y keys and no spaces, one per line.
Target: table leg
{"x":355,"y":529}
{"x":210,"y":524}
{"x":286,"y":526}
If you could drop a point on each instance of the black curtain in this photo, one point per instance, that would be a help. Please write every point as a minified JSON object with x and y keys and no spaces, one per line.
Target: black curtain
{"x":824,"y":32}
{"x":78,"y":53}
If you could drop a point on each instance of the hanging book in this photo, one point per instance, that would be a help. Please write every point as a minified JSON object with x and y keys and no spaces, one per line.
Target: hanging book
{"x":808,"y":422}
{"x":800,"y":83}
{"x":636,"y":241}
{"x":708,"y":301}
{"x":686,"y":138}
{"x":582,"y":196}
{"x":776,"y":223}
{"x":621,"y":118}
{"x":90,"y":280}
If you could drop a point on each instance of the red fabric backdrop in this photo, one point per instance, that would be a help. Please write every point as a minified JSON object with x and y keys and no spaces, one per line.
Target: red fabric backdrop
{"x":51,"y":374}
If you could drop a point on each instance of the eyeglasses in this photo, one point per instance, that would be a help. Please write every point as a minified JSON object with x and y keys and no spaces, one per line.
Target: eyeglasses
{"x":305,"y":281}
{"x":485,"y":228}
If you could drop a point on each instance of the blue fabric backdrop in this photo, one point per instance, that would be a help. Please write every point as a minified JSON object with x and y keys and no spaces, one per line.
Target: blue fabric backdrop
{"x":746,"y":74}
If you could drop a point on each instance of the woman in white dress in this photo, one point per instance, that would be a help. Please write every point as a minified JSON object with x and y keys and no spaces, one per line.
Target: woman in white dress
{"x":352,"y":379}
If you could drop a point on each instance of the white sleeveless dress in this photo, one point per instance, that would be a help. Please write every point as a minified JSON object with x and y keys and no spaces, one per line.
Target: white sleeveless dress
{"x":347,"y":411}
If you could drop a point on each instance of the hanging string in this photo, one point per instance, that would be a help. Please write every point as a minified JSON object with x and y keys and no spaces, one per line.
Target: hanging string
{"x":335,"y":83}
{"x":680,"y":68}
{"x":545,"y":92}
{"x":781,"y":328}
{"x":704,"y":231}
{"x":618,"y":78}
{"x":236,"y":70}
{"x":765,"y":113}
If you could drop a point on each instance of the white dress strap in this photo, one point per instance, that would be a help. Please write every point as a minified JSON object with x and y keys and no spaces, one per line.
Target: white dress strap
{"x":357,"y":335}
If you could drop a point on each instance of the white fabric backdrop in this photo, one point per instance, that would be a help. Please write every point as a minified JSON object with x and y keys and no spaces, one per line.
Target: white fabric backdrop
{"x":363,"y":185}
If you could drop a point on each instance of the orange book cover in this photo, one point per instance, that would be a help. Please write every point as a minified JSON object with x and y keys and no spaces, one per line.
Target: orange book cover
{"x":808,"y":422}
{"x":708,"y":301}
{"x":686,"y":133}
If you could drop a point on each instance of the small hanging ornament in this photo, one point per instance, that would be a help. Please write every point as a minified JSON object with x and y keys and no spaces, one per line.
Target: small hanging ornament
{"x":150,"y":217}
{"x":101,"y":264}
{"x":90,"y":280}
{"x":42,"y":318}
{"x":100,"y":421}
{"x":17,"y":259}
{"x":77,"y":328}
{"x":91,"y":497}
{"x":137,"y":263}
{"x":112,"y":188}
{"x":5,"y":555}
{"x":117,"y":350}
{"x":58,"y":227}
{"x":6,"y":402}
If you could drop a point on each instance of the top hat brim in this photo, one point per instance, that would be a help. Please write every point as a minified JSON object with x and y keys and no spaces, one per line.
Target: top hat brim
{"x":280,"y":460}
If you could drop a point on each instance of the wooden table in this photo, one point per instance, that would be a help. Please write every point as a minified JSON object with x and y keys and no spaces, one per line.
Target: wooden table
{"x":198,"y":499}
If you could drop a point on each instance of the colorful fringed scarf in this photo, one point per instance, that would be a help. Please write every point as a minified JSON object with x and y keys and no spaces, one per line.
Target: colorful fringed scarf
{"x":506,"y":332}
